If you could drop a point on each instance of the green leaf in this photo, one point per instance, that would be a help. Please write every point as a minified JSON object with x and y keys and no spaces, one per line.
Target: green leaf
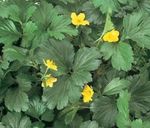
{"x":1,"y":125}
{"x":61,"y":52}
{"x":59,"y":95}
{"x":104,"y":111}
{"x":28,"y":33}
{"x":16,"y":100}
{"x":146,"y":124}
{"x":133,"y":3}
{"x":14,"y":53}
{"x":107,"y":50}
{"x":21,"y":11}
{"x":73,"y":75}
{"x":121,"y":55}
{"x":48,"y":115}
{"x":115,"y":86}
{"x":137,"y":124}
{"x":88,"y":58}
{"x":15,"y":120}
{"x":107,"y":6}
{"x":8,"y":31}
{"x":50,"y":21}
{"x":60,"y":27}
{"x":89,"y":124}
{"x":69,"y":114}
{"x":123,"y":120}
{"x":76,"y":121}
{"x":92,"y":14}
{"x":137,"y":28}
{"x":145,"y":5}
{"x":38,"y":125}
{"x":140,"y":93}
{"x":36,"y":108}
{"x":4,"y":11}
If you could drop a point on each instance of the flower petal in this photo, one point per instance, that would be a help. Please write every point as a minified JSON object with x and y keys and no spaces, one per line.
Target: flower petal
{"x":85,"y":22}
{"x":81,"y":16}
{"x":73,"y":15}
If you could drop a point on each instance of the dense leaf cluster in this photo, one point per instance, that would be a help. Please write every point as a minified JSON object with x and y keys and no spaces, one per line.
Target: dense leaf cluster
{"x":35,"y":30}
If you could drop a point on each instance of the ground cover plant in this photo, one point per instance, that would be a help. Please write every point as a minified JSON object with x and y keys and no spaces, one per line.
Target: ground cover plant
{"x":74,"y":64}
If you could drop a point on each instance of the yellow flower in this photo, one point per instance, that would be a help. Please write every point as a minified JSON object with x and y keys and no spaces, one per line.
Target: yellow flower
{"x":79,"y":19}
{"x":50,"y":64}
{"x":87,"y":93}
{"x":112,"y":36}
{"x":49,"y":81}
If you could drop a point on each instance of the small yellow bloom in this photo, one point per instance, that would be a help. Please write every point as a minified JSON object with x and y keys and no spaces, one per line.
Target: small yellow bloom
{"x":50,"y":64}
{"x":87,"y":93}
{"x":112,"y":36}
{"x":49,"y":81}
{"x":79,"y":19}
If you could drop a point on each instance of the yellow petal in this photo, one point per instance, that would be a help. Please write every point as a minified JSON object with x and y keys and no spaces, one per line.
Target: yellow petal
{"x":85,"y":22}
{"x":73,"y":15}
{"x":115,"y":32}
{"x":75,"y":22}
{"x":87,"y":93}
{"x":81,"y":16}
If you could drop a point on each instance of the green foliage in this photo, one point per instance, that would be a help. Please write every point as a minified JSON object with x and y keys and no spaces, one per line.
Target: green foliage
{"x":136,"y":28}
{"x":121,"y":55}
{"x":115,"y":86}
{"x":123,"y":108}
{"x":16,"y":120}
{"x":105,"y":111}
{"x":107,"y":5}
{"x":89,"y":124}
{"x":118,"y":72}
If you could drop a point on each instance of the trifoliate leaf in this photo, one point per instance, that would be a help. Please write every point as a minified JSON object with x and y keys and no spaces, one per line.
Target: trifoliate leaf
{"x":121,"y":55}
{"x":136,"y":28}
{"x":104,"y":111}
{"x":50,"y":21}
{"x":16,"y":100}
{"x":15,"y":120}
{"x":89,"y":124}
{"x":123,"y":119}
{"x":115,"y":86}
{"x":106,"y":6}
{"x":8,"y":32}
{"x":137,"y":124}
